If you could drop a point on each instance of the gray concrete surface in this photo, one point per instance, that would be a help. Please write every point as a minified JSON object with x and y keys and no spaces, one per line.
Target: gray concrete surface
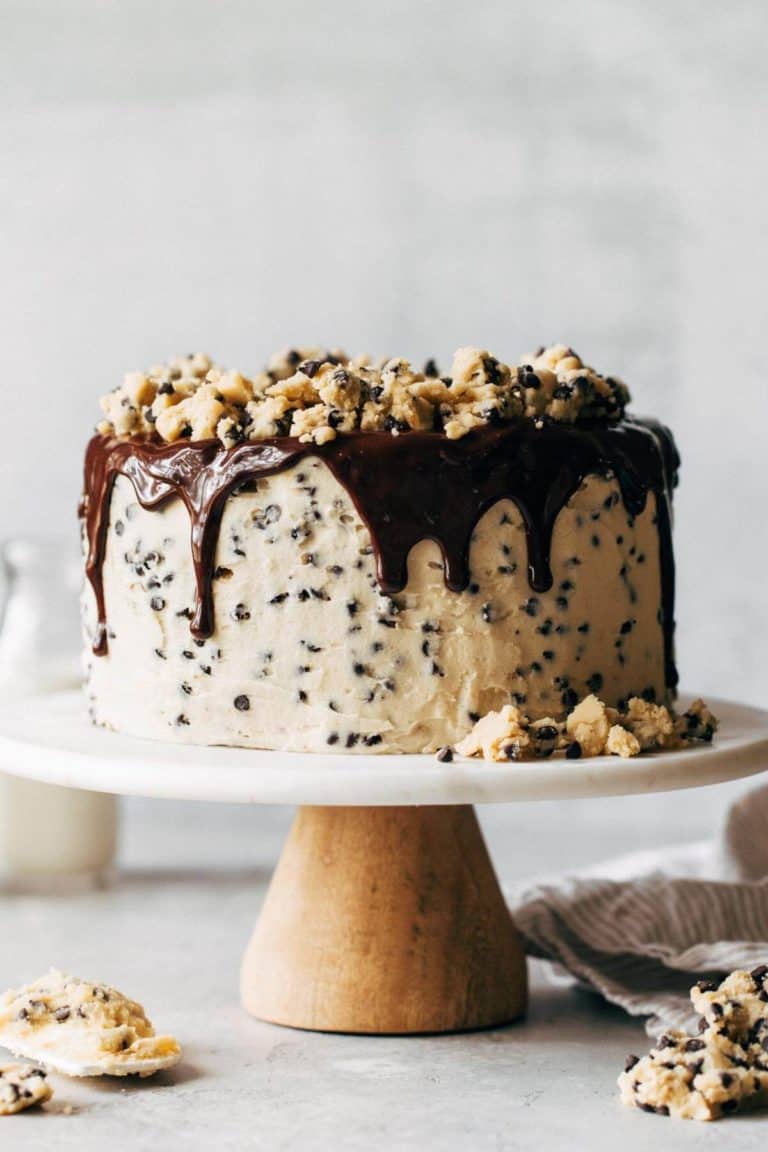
{"x":171,"y":932}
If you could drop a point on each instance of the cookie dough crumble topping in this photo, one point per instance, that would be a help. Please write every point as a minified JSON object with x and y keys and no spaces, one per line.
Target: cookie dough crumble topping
{"x":315,"y":395}
{"x":591,"y":728}
{"x":712,"y":1074}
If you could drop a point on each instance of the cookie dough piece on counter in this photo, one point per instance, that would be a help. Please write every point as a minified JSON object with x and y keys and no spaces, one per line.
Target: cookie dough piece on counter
{"x":22,"y":1086}
{"x":710,"y":1075}
{"x":689,"y":1077}
{"x":83,"y":1028}
{"x":735,"y":1015}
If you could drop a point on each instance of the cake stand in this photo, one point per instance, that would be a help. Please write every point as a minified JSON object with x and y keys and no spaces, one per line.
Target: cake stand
{"x":384,"y":914}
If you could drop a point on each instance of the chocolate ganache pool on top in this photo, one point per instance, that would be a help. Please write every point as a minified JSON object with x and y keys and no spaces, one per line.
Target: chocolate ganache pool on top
{"x":337,"y":554}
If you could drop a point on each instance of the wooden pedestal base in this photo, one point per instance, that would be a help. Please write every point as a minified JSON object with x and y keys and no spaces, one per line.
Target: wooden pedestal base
{"x":385,"y":920}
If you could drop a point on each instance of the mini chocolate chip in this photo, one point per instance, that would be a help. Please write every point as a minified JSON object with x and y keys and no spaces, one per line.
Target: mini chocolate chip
{"x":573,"y":751}
{"x":444,"y":754}
{"x":157,"y":604}
{"x":694,"y":1045}
{"x":595,"y":682}
{"x":630,"y":1062}
{"x":545,"y":732}
{"x":242,"y":703}
{"x":62,"y":1014}
{"x":270,"y":515}
{"x":706,"y":986}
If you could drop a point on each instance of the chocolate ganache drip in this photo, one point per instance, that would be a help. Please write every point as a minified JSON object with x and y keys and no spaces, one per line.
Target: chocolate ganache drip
{"x":406,"y":488}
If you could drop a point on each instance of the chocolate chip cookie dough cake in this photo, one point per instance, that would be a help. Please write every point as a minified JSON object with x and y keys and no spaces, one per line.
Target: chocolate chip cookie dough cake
{"x":348,"y":556}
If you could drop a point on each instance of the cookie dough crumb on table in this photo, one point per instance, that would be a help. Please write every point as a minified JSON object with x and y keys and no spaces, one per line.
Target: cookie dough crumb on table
{"x":708,"y":1076}
{"x":22,"y":1086}
{"x":69,"y":1025}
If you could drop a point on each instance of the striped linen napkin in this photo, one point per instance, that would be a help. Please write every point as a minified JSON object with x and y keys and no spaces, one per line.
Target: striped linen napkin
{"x":641,"y":930}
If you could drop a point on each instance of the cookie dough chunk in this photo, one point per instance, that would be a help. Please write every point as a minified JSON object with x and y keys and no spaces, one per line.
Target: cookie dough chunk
{"x":697,"y":723}
{"x":651,"y":724}
{"x":689,"y":1077}
{"x":22,"y":1086}
{"x":590,"y":729}
{"x":82,"y":1028}
{"x":499,"y":735}
{"x":735,"y":1015}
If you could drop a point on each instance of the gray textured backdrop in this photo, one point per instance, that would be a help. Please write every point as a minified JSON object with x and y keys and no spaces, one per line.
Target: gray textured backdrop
{"x":407,"y":177}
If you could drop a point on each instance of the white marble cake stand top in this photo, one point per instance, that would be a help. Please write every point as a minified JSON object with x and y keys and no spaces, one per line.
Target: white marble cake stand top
{"x":48,"y":737}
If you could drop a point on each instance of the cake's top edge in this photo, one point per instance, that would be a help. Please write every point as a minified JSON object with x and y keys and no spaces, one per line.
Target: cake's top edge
{"x":315,"y":395}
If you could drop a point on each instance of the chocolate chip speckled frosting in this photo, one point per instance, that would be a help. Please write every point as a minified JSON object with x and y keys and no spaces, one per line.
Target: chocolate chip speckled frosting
{"x":337,"y":554}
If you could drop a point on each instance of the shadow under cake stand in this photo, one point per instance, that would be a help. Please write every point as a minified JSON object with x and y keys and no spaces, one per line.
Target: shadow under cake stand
{"x":384,"y":914}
